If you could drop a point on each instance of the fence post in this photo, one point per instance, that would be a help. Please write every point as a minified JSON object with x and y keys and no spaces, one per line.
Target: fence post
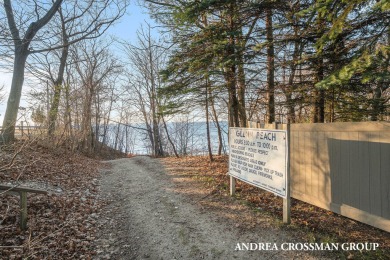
{"x":232,"y":186}
{"x":287,"y":200}
{"x":23,"y":210}
{"x":232,"y":179}
{"x":21,"y":124}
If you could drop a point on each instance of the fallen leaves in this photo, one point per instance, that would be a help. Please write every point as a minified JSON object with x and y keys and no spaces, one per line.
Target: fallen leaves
{"x":62,"y":224}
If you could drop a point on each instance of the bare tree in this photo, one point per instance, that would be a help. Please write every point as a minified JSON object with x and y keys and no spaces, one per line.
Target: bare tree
{"x":22,"y":49}
{"x":75,"y":23}
{"x":146,"y":60}
{"x":79,"y":20}
{"x":94,"y":67}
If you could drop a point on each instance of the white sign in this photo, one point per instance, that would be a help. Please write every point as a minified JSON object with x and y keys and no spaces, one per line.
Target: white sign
{"x":259,"y":157}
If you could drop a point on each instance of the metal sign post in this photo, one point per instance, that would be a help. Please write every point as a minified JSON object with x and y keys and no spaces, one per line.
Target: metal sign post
{"x":287,"y":200}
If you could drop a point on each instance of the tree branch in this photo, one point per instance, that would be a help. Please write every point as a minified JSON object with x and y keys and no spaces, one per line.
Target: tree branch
{"x":11,"y":22}
{"x":36,"y":26}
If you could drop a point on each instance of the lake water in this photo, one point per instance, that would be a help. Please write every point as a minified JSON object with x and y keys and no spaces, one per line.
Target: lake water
{"x":189,"y":138}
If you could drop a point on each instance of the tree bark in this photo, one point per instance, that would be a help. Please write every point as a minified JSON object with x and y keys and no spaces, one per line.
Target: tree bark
{"x":230,"y":71}
{"x":319,"y":102}
{"x":377,"y":103}
{"x":87,"y":118}
{"x":298,"y":48}
{"x":53,"y":113}
{"x":241,"y":84}
{"x":233,"y":101}
{"x":220,"y":142}
{"x":169,"y":138}
{"x":241,"y":92}
{"x":207,"y":123}
{"x":270,"y":67}
{"x":11,"y":113}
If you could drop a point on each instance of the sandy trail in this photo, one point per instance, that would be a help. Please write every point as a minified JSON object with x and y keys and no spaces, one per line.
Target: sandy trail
{"x":151,"y":216}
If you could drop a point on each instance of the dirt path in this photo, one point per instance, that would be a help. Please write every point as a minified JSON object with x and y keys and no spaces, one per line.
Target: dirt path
{"x":156,"y":215}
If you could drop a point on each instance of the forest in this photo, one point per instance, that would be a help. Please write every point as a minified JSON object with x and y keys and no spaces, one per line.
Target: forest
{"x":220,"y":62}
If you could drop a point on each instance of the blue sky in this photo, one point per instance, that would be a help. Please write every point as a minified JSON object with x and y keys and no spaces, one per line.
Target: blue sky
{"x":127,"y":27}
{"x":124,"y":29}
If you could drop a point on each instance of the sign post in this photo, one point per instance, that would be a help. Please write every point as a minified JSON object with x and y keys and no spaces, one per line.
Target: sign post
{"x":260,"y":158}
{"x":232,"y":179}
{"x":232,"y":186}
{"x":287,"y":200}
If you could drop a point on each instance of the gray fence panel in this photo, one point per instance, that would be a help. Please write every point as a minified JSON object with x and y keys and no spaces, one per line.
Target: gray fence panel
{"x":343,"y":167}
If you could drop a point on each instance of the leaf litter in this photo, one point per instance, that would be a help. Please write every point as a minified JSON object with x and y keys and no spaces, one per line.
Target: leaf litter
{"x":61,"y":224}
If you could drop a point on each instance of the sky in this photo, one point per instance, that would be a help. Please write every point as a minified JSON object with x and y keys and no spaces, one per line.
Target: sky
{"x":127,"y":27}
{"x":124,"y":29}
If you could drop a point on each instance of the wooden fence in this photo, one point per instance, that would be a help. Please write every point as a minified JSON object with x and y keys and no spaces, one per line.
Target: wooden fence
{"x":342,"y":167}
{"x":24,"y":131}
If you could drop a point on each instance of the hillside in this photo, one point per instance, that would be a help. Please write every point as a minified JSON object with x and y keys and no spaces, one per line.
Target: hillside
{"x":62,"y":223}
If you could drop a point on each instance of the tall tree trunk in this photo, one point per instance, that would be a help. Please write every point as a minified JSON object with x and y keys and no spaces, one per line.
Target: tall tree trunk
{"x":147,"y":124}
{"x":68,"y":115}
{"x":319,"y":110}
{"x":53,"y":113}
{"x":378,"y":106}
{"x":106,"y":120}
{"x":15,"y":94}
{"x":270,"y":67}
{"x":220,"y":142}
{"x":87,"y":118}
{"x":127,"y":139}
{"x":117,"y":136}
{"x":377,"y":103}
{"x":207,"y":123}
{"x":156,"y":134}
{"x":153,"y":103}
{"x":241,"y":84}
{"x":233,"y":101}
{"x":298,"y":48}
{"x":319,"y":95}
{"x":230,"y":70}
{"x":241,"y":92}
{"x":156,"y":137}
{"x":169,"y":138}
{"x":97,"y":119}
